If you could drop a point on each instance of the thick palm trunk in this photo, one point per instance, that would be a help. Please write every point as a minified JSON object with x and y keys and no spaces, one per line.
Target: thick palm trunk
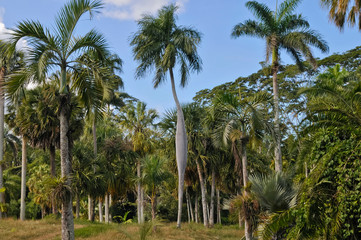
{"x":247,"y":224}
{"x":219,"y":219}
{"x":67,"y":223}
{"x":203,"y":193}
{"x":181,"y":149}
{"x":278,"y":153}
{"x":23,"y":179}
{"x":100,"y":206}
{"x":53,"y":175}
{"x":2,"y":194}
{"x":106,"y":210}
{"x":211,"y":208}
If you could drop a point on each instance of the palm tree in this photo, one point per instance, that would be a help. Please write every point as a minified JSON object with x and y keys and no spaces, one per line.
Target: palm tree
{"x":138,"y":121}
{"x":282,"y":30}
{"x":343,"y":10}
{"x":161,"y":44}
{"x":241,"y":122}
{"x":9,"y":61}
{"x":59,"y":49}
{"x":153,"y":175}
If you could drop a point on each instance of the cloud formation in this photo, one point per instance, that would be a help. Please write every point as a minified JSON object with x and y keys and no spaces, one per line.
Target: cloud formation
{"x":5,"y":32}
{"x":134,"y":9}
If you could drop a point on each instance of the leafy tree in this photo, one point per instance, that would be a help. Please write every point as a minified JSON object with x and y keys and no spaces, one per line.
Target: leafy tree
{"x":161,"y":44}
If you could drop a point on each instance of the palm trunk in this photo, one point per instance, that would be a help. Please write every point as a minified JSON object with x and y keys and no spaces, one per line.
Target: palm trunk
{"x":67,"y":223}
{"x":106,"y":218}
{"x":140,"y":195}
{"x":247,"y":224}
{"x":53,"y":175}
{"x":77,"y":208}
{"x":190,"y":207}
{"x":219,"y":219}
{"x":90,"y":207}
{"x":196,"y":208}
{"x":154,"y":206}
{"x":213,"y":186}
{"x":181,"y":149}
{"x":100,"y":206}
{"x":110,"y":204}
{"x":23,"y":179}
{"x":203,"y":193}
{"x":2,"y":78}
{"x":278,"y":153}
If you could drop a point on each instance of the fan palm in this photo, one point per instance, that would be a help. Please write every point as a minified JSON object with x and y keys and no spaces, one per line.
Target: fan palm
{"x":161,"y":44}
{"x":281,"y":30}
{"x":59,"y":49}
{"x":240,"y":121}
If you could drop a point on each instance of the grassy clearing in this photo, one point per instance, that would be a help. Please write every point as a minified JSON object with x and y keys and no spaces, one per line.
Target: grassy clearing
{"x":50,"y":229}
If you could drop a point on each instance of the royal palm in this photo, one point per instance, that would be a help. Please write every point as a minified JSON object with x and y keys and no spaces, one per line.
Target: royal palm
{"x":161,"y":44}
{"x":282,"y":30}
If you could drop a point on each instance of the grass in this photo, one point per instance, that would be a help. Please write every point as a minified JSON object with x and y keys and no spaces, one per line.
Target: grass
{"x":51,"y":229}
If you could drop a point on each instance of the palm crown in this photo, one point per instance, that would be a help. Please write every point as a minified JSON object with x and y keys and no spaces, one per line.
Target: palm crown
{"x":282,"y":30}
{"x":160,"y":43}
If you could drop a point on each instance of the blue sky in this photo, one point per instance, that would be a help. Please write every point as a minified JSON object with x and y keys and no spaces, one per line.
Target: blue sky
{"x":224,"y":58}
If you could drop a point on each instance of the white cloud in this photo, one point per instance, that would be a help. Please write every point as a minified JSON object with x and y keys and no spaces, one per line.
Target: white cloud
{"x":134,"y":9}
{"x":5,"y":33}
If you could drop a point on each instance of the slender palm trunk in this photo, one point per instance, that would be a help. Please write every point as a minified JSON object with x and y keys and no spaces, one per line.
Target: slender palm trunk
{"x":106,"y":218}
{"x":196,"y":208}
{"x":278,"y":153}
{"x":203,"y":193}
{"x":67,"y":223}
{"x":100,"y":206}
{"x":190,"y":206}
{"x":140,"y":195}
{"x":77,"y":207}
{"x":23,"y":179}
{"x":53,"y":175}
{"x":181,"y":149}
{"x":90,"y":207}
{"x":154,"y":206}
{"x":247,"y":224}
{"x":110,"y":204}
{"x":211,"y":208}
{"x":219,"y":219}
{"x":2,"y":105}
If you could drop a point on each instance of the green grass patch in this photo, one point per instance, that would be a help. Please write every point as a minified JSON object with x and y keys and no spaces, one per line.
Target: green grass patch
{"x":91,"y":230}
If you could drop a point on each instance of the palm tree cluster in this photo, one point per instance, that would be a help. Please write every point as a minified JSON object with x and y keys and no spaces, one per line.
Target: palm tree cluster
{"x":275,"y":154}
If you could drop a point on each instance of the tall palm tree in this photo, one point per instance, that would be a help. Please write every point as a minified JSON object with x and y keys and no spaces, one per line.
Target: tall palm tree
{"x":341,"y":11}
{"x":282,"y":30}
{"x":161,"y":44}
{"x":59,"y":49}
{"x":138,"y":121}
{"x":240,"y":121}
